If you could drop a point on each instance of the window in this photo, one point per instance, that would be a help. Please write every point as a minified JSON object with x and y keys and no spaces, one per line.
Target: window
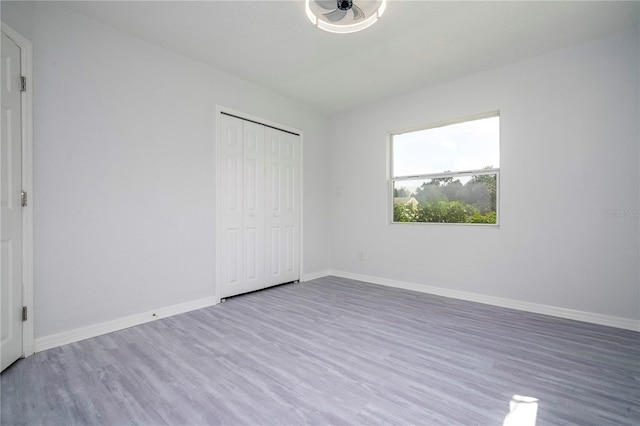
{"x":447,"y":173}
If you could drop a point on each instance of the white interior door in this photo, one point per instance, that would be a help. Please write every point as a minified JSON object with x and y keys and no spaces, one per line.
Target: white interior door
{"x":253,"y":223}
{"x":241,"y":206}
{"x":230,"y":208}
{"x":258,"y":206}
{"x":282,"y":195}
{"x":10,"y":200}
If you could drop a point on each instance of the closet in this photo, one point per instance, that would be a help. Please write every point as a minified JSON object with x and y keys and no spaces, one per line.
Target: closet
{"x":258,"y":206}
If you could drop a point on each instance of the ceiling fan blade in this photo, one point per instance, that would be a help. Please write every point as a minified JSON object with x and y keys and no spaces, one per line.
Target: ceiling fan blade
{"x":336,"y":15}
{"x":357,"y":13}
{"x":326,"y":4}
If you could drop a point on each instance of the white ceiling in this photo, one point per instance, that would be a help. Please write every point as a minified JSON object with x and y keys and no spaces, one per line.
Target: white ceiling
{"x":415,"y":44}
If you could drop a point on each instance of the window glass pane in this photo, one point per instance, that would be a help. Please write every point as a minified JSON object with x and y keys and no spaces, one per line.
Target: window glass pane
{"x":468,"y":199}
{"x":471,"y":145}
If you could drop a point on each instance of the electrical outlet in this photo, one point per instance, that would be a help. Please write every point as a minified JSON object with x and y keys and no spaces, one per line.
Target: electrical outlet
{"x":360,"y":256}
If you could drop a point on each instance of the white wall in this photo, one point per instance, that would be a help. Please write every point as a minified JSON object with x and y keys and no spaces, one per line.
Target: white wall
{"x":124,"y":170}
{"x":569,"y":153}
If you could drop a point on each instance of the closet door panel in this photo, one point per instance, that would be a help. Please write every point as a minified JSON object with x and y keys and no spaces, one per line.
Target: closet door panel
{"x":231,"y":206}
{"x":259,"y":206}
{"x":290,"y":251}
{"x":273,"y":210}
{"x":273,"y":254}
{"x":290,"y":224}
{"x":253,"y":215}
{"x":282,"y":216}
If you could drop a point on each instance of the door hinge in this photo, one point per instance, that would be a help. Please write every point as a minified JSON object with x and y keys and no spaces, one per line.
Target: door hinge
{"x":23,"y":198}
{"x":23,"y":84}
{"x":24,"y":313}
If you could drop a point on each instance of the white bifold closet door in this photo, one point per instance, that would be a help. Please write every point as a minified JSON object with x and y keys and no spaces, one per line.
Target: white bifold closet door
{"x":259,"y":207}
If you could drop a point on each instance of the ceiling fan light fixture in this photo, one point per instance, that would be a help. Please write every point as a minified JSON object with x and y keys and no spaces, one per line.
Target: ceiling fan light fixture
{"x":343,"y":16}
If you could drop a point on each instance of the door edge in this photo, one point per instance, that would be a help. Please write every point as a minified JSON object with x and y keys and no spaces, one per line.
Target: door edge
{"x":26,"y":65}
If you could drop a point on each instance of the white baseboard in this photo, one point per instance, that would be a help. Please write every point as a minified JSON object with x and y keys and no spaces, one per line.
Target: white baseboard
{"x":72,"y":336}
{"x":611,"y":321}
{"x":314,"y":275}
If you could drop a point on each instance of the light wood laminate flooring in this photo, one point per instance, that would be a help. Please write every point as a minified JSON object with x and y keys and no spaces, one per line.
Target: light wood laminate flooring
{"x":333,"y":351}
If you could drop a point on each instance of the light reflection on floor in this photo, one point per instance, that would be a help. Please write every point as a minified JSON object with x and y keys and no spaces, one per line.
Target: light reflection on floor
{"x":522,"y":411}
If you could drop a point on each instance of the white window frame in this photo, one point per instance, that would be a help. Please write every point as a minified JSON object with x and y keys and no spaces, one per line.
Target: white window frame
{"x":455,"y":174}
